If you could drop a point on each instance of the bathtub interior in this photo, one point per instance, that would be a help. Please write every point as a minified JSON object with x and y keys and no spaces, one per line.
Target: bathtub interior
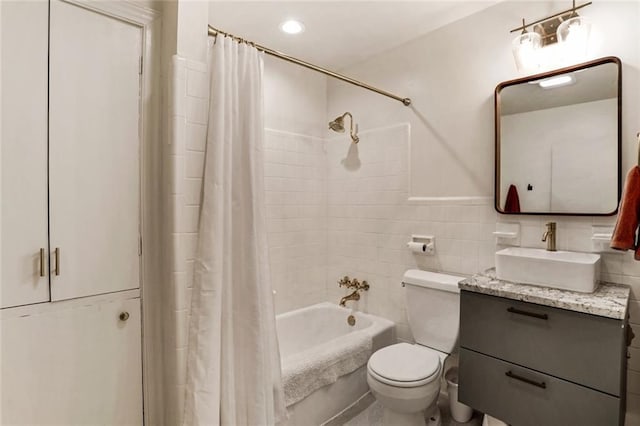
{"x":305,"y":328}
{"x":319,"y":325}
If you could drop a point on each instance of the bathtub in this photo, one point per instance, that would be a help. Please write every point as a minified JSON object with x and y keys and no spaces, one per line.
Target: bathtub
{"x":314,"y":328}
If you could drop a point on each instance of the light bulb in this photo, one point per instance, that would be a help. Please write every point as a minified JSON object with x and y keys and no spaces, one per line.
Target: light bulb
{"x":292,"y":27}
{"x":561,"y":80}
{"x":525,"y":49}
{"x":573,"y":34}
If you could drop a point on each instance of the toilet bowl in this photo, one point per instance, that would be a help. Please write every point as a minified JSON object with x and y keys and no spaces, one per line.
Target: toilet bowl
{"x":405,"y":378}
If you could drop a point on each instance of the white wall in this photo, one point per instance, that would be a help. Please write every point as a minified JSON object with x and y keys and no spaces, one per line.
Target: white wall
{"x":296,"y":183}
{"x":451,"y":74}
{"x":565,"y":163}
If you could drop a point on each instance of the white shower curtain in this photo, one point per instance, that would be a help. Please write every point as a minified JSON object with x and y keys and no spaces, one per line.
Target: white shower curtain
{"x":233,"y":362}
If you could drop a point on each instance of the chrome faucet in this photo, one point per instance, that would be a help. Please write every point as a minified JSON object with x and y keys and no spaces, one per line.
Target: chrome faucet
{"x":353,"y":296}
{"x":550,"y":236}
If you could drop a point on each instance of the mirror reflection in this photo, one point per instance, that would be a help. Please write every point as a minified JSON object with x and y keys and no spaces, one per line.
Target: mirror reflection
{"x":558,"y":141}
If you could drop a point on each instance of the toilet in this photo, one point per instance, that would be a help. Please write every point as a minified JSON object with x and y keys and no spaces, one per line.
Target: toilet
{"x":405,"y":378}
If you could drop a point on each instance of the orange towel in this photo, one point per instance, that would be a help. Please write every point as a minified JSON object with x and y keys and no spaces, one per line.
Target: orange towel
{"x":624,"y":233}
{"x":512,"y":203}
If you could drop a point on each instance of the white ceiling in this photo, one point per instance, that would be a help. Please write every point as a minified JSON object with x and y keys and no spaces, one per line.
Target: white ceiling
{"x":338,"y":33}
{"x":591,"y":84}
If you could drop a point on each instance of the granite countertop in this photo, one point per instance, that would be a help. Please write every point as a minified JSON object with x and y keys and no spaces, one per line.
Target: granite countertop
{"x":609,"y":300}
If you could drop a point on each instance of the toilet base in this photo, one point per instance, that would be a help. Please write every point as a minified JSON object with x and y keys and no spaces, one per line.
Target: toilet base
{"x":430,"y":417}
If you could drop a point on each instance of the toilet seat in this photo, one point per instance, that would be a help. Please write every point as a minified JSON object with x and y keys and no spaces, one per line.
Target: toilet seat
{"x":404,"y":365}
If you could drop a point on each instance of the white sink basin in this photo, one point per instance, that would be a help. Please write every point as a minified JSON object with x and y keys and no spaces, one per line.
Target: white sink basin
{"x":558,"y":269}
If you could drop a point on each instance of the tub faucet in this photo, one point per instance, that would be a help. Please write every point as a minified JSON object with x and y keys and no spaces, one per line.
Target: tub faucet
{"x":550,"y":236}
{"x":353,"y":296}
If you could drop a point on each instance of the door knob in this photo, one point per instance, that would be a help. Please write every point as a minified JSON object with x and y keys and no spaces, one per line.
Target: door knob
{"x":124,"y":316}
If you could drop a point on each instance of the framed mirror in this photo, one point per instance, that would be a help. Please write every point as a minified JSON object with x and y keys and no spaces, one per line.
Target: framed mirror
{"x":558,"y":141}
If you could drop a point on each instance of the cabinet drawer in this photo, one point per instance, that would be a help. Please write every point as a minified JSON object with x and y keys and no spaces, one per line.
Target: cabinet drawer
{"x":581,"y":348}
{"x":523,"y":397}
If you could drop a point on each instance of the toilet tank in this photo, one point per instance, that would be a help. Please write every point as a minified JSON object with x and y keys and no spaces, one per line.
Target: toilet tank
{"x":433,"y":308}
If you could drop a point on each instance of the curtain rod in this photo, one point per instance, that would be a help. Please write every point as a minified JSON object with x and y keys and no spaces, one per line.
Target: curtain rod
{"x":405,"y":101}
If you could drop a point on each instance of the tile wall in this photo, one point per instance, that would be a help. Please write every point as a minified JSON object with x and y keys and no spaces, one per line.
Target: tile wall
{"x":184,"y":164}
{"x":296,"y":198}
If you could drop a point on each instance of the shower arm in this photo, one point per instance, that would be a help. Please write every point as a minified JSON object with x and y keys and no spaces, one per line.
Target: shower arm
{"x":354,"y":136}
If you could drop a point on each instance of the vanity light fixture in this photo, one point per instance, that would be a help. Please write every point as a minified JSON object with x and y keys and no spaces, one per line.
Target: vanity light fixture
{"x":525,"y":49}
{"x":292,"y":27}
{"x":567,"y":27}
{"x":559,"y":81}
{"x":574,"y":35}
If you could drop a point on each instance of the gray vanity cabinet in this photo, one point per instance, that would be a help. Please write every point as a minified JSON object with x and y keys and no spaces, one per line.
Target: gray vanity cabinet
{"x":532,"y":365}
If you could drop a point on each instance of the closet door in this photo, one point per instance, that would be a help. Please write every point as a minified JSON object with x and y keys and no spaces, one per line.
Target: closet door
{"x":72,"y":365}
{"x":94,"y":142}
{"x":23,"y":156}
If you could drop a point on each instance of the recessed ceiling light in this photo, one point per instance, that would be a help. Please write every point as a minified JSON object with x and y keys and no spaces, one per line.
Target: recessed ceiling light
{"x":292,"y":27}
{"x":561,"y":80}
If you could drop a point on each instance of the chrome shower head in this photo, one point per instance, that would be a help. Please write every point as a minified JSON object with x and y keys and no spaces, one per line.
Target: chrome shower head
{"x":337,"y":125}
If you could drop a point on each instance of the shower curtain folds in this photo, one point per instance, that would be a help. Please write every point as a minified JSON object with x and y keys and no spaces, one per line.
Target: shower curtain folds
{"x":233,"y":364}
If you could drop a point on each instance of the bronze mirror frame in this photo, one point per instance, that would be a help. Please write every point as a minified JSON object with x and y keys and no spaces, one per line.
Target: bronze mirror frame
{"x":582,"y":66}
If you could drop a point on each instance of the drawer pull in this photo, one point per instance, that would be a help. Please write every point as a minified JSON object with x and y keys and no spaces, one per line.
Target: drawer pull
{"x":529,"y":314}
{"x":542,"y":385}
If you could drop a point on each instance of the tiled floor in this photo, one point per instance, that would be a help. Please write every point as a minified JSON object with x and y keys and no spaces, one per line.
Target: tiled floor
{"x":372,"y":416}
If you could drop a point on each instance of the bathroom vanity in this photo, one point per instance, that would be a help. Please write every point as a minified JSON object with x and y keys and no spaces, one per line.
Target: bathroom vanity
{"x":535,"y":356}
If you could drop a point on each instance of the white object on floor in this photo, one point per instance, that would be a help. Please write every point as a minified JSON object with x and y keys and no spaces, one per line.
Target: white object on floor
{"x":405,"y":378}
{"x":460,"y":412}
{"x":304,"y":372}
{"x":492,"y":421}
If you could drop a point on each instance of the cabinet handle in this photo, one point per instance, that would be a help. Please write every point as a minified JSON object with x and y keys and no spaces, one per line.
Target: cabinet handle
{"x":57,"y":270}
{"x":42,"y":271}
{"x":124,"y":316}
{"x":542,"y":385}
{"x":529,"y":314}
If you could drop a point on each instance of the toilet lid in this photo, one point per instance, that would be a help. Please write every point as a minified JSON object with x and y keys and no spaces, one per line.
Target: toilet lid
{"x":405,"y":363}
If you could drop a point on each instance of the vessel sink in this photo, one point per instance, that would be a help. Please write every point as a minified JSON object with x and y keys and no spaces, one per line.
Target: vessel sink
{"x":557,"y":269}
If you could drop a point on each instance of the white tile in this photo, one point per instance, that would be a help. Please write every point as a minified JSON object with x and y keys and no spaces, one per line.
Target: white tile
{"x":633,"y":382}
{"x":633,"y":410}
{"x":633,"y":363}
{"x":193,"y":191}
{"x":179,"y":291}
{"x":178,"y":98}
{"x":176,"y":173}
{"x":634,"y":313}
{"x":196,"y":136}
{"x":175,"y":213}
{"x":178,"y":67}
{"x":194,"y":164}
{"x":197,"y":84}
{"x":191,"y":216}
{"x":196,"y":110}
{"x":196,"y":65}
{"x":177,"y":253}
{"x":177,"y":139}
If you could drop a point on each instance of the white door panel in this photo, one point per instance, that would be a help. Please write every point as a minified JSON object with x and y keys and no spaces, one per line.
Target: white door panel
{"x":94,"y":151}
{"x":23,"y":156}
{"x":78,"y":365}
